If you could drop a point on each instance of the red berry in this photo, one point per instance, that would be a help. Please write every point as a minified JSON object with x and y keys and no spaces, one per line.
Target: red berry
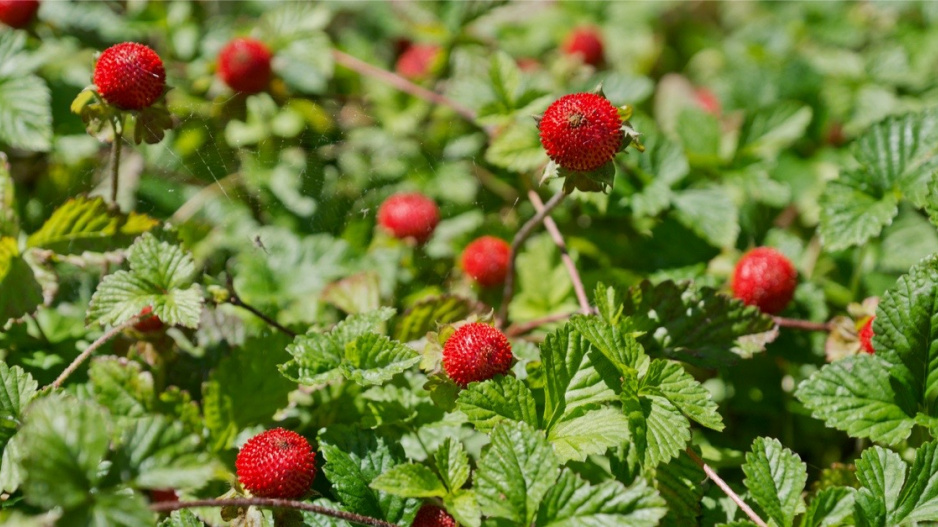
{"x":586,"y":43}
{"x":148,"y":323}
{"x":417,"y":60}
{"x":581,"y":131}
{"x":433,"y":516}
{"x":707,"y":101}
{"x":486,"y":260}
{"x":18,"y":13}
{"x":409,"y":215}
{"x":277,"y":463}
{"x":244,"y":65}
{"x":163,"y":495}
{"x":765,"y":278}
{"x":476,"y":352}
{"x":866,"y":335}
{"x":130,"y":76}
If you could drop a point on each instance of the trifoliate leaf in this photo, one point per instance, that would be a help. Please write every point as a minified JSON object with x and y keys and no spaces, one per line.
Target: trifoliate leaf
{"x":158,"y":453}
{"x":89,"y":224}
{"x":591,"y":433}
{"x":515,"y":473}
{"x":17,"y":389}
{"x":503,"y":398}
{"x":573,"y":502}
{"x":452,"y":463}
{"x":679,"y":483}
{"x":571,"y":380}
{"x":775,"y":477}
{"x":410,"y":480}
{"x":428,"y":315}
{"x":21,"y":292}
{"x":354,"y":458}
{"x":161,"y":275}
{"x":375,"y":359}
{"x":684,"y":392}
{"x":854,"y":210}
{"x":857,"y":395}
{"x":829,"y":508}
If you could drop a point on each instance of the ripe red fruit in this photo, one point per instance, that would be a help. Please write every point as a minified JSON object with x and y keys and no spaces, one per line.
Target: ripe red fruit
{"x":163,"y":495}
{"x":130,"y":76}
{"x":476,"y":352}
{"x":147,"y":322}
{"x":409,"y":215}
{"x":18,"y":13}
{"x":707,"y":101}
{"x":244,"y":65}
{"x":417,"y":60}
{"x":586,"y":43}
{"x":433,"y":516}
{"x":866,"y":335}
{"x":486,"y":260}
{"x":765,"y":278}
{"x":277,"y":463}
{"x":581,"y":131}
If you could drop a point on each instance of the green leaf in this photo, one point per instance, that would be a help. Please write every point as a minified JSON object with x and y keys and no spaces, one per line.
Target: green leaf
{"x":464,"y":507}
{"x":182,"y":518}
{"x":543,"y":283}
{"x":410,"y":480}
{"x":573,"y":502}
{"x":452,"y":464}
{"x":678,"y":482}
{"x":17,"y":389}
{"x":316,"y":359}
{"x":312,"y":519}
{"x":857,"y":395}
{"x":775,"y":477}
{"x":506,"y":80}
{"x":572,"y":382}
{"x":21,"y":292}
{"x":354,"y":458}
{"x":121,"y":386}
{"x":304,"y":70}
{"x":121,"y":508}
{"x":769,"y":130}
{"x":667,"y":430}
{"x":700,"y":134}
{"x":89,"y":224}
{"x":709,"y":212}
{"x":684,"y":392}
{"x":614,"y":342}
{"x":881,"y":473}
{"x":375,"y":359}
{"x":516,"y":148}
{"x":25,"y":112}
{"x":918,"y":501}
{"x":9,"y":219}
{"x":591,"y":433}
{"x":503,"y":398}
{"x":160,"y":454}
{"x":359,"y":293}
{"x":829,"y":507}
{"x":854,"y":210}
{"x":161,"y":275}
{"x":515,"y":473}
{"x":429,"y":314}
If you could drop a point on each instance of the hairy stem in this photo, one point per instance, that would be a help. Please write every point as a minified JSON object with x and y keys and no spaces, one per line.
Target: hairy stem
{"x":523,"y":234}
{"x":57,"y":383}
{"x":726,"y":488}
{"x":805,"y":325}
{"x":168,"y":506}
{"x":551,"y":227}
{"x":115,"y":158}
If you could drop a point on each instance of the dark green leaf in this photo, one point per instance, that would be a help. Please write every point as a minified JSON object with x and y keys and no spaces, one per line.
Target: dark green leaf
{"x":160,"y":454}
{"x":491,"y":402}
{"x":375,"y":359}
{"x":679,"y":483}
{"x":89,"y":224}
{"x":616,"y":343}
{"x":775,"y":477}
{"x":594,"y":432}
{"x":829,"y":507}
{"x":854,"y":210}
{"x":452,"y":464}
{"x":684,"y":392}
{"x":573,"y":502}
{"x":17,"y":389}
{"x":572,"y":382}
{"x":21,"y":292}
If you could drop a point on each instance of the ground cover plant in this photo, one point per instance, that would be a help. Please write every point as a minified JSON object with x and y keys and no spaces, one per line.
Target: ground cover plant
{"x":468,"y":263}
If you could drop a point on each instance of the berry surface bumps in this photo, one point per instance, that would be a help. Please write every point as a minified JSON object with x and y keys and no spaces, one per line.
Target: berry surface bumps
{"x":409,"y":215}
{"x":277,"y":463}
{"x":765,"y":278}
{"x":476,"y":352}
{"x":486,"y":260}
{"x":130,"y":76}
{"x":581,"y":131}
{"x":433,"y":516}
{"x":244,"y":65}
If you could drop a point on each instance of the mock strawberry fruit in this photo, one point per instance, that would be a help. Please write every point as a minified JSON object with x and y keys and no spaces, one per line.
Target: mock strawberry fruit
{"x":866,"y":335}
{"x":244,"y":65}
{"x":586,"y":43}
{"x":581,"y":131}
{"x":476,"y":352}
{"x":409,"y":215}
{"x":163,"y":495}
{"x":433,"y":516}
{"x":130,"y":76}
{"x":707,"y":101}
{"x":18,"y":13}
{"x":486,"y":260}
{"x":277,"y":463}
{"x":765,"y":278}
{"x":417,"y":61}
{"x":148,"y":323}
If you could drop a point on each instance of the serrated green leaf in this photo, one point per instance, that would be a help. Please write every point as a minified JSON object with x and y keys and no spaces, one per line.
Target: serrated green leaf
{"x":121,"y":386}
{"x":918,"y":501}
{"x":571,"y":380}
{"x":881,"y":473}
{"x":11,"y":468}
{"x":614,"y":342}
{"x":375,"y":359}
{"x":668,"y":431}
{"x":515,"y":473}
{"x":503,"y":398}
{"x":359,"y":293}
{"x":313,"y":519}
{"x":182,"y":518}
{"x":21,"y":292}
{"x":679,"y":483}
{"x":829,"y":507}
{"x":354,"y":458}
{"x":427,"y":315}
{"x":856,"y":395}
{"x":661,"y":166}
{"x":700,"y":134}
{"x":452,"y":463}
{"x":89,"y":224}
{"x":161,"y":275}
{"x":775,"y":477}
{"x":9,"y":219}
{"x":304,"y":71}
{"x":769,"y":130}
{"x":464,"y":508}
{"x":121,"y":508}
{"x":573,"y":502}
{"x":591,"y":433}
{"x":316,"y":359}
{"x":516,"y":148}
{"x":506,"y":79}
{"x":709,"y":212}
{"x":160,"y":454}
{"x":684,"y":392}
{"x":25,"y":112}
{"x":853,"y":211}
{"x":410,"y":480}
{"x":17,"y":389}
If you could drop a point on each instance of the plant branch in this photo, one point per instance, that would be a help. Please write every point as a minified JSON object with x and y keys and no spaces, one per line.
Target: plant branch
{"x":551,"y":227}
{"x":523,"y":233}
{"x":516,"y":330}
{"x":725,"y":488}
{"x":115,"y":158}
{"x":805,"y":325}
{"x":235,"y":300}
{"x":168,"y":506}
{"x":401,"y":83}
{"x":57,"y":383}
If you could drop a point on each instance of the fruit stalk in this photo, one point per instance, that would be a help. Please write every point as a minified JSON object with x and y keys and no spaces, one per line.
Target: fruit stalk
{"x":57,"y":383}
{"x":726,"y":488}
{"x":551,"y":227}
{"x":115,"y":160}
{"x":169,"y":506}
{"x":523,"y":234}
{"x":805,"y":325}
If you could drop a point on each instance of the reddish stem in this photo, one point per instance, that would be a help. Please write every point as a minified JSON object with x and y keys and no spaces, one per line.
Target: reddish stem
{"x":725,"y":488}
{"x":805,"y":325}
{"x":551,"y":227}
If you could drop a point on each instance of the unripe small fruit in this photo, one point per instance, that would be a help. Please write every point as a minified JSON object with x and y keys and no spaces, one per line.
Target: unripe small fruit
{"x":148,"y":323}
{"x":244,"y":65}
{"x":163,"y":495}
{"x":433,"y":516}
{"x":277,"y":463}
{"x":486,"y":260}
{"x":765,"y":278}
{"x":476,"y":352}
{"x":417,"y":61}
{"x":18,"y":13}
{"x":866,"y":335}
{"x":581,"y":131}
{"x":707,"y":101}
{"x":130,"y":76}
{"x":409,"y":215}
{"x":587,"y":43}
